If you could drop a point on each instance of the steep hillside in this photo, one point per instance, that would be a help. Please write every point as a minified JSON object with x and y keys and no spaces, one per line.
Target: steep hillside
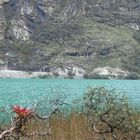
{"x":64,"y":35}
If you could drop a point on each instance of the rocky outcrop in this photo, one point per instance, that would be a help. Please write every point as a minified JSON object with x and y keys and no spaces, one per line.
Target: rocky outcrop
{"x":20,"y":74}
{"x":116,"y":12}
{"x":75,"y":72}
{"x":110,"y":72}
{"x":3,"y":1}
{"x":69,"y":72}
{"x":2,"y":23}
{"x":25,"y":15}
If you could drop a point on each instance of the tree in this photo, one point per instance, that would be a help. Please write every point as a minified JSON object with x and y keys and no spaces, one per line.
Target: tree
{"x":109,"y":113}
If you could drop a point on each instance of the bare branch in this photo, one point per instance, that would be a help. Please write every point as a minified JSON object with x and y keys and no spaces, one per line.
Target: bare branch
{"x":111,"y":128}
{"x":4,"y":133}
{"x":46,"y":117}
{"x":35,"y":106}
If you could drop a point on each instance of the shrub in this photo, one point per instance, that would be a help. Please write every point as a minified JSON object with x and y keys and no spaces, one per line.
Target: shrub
{"x":108,"y":113}
{"x":70,"y":75}
{"x":45,"y":76}
{"x":133,"y":76}
{"x":136,"y":36}
{"x":55,"y":74}
{"x":87,"y":76}
{"x":95,"y":76}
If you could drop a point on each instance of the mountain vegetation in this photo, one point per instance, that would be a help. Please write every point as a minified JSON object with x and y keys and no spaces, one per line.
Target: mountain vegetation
{"x":44,"y":35}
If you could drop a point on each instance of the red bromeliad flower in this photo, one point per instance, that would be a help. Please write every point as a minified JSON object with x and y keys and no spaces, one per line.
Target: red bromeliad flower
{"x":22,"y":112}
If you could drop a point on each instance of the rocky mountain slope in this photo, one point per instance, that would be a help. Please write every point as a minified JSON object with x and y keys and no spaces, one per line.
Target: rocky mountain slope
{"x":70,"y":36}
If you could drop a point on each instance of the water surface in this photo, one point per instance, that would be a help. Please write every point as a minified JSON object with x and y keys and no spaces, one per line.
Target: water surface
{"x":26,"y":91}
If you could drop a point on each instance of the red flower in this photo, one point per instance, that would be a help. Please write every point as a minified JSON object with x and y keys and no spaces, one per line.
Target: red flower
{"x":22,"y":112}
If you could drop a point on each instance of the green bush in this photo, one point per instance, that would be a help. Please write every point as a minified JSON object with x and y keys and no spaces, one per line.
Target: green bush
{"x":95,"y":76}
{"x":109,"y":112}
{"x":70,"y":75}
{"x":136,"y":36}
{"x":46,"y":76}
{"x":55,"y":74}
{"x":133,"y":76}
{"x":88,"y":76}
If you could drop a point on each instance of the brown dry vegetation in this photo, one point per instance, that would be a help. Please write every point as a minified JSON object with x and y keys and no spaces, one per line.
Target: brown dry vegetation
{"x":73,"y":127}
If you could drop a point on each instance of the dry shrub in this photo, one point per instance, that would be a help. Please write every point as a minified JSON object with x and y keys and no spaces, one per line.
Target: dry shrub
{"x":109,"y":113}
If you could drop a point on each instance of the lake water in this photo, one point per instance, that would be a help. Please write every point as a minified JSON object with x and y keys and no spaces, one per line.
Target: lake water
{"x":26,"y":91}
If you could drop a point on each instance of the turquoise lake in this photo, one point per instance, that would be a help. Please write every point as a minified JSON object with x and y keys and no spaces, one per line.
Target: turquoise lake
{"x":26,"y":91}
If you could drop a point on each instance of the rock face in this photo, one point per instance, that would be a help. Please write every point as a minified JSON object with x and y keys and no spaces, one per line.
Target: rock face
{"x":74,"y":72}
{"x":2,"y":21}
{"x":111,"y":73}
{"x":3,"y":1}
{"x":27,"y":13}
{"x":117,"y":11}
{"x":85,"y":34}
{"x":20,"y":74}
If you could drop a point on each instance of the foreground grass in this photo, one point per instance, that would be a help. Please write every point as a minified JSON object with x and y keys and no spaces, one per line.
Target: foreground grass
{"x":72,"y":127}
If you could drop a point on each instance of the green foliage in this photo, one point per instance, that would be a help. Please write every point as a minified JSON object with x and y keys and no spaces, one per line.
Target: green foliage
{"x":55,"y":31}
{"x":44,"y":76}
{"x":70,"y":75}
{"x":55,"y":74}
{"x":133,"y":76}
{"x":136,"y":36}
{"x":109,"y":107}
{"x":91,"y":76}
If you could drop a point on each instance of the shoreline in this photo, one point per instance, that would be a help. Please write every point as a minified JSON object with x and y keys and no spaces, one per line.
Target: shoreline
{"x":21,"y":74}
{"x":16,"y":74}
